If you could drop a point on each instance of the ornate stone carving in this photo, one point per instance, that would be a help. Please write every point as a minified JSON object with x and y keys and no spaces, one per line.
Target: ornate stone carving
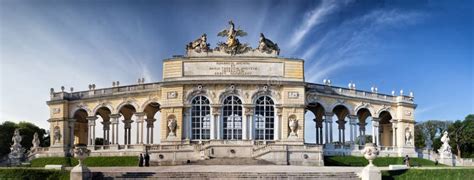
{"x":36,"y":141}
{"x":293,"y":124}
{"x":57,"y":135}
{"x":172,"y":124}
{"x":267,"y":46}
{"x":370,"y":152}
{"x":232,"y":45}
{"x":408,"y":137}
{"x":16,"y":150}
{"x":199,"y":45}
{"x":445,"y":149}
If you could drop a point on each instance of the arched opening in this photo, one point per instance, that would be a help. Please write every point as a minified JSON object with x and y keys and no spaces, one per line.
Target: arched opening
{"x":80,"y":127}
{"x":315,"y":114}
{"x":151,"y":111}
{"x":364,"y":124}
{"x":200,"y":118}
{"x":341,"y":113}
{"x":127,"y":111}
{"x":104,"y":118}
{"x":385,"y":129}
{"x":264,"y":118}
{"x":232,"y":118}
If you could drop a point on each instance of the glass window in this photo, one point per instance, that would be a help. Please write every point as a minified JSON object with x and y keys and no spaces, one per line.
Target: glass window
{"x":201,"y":118}
{"x":232,"y":118}
{"x":264,"y":118}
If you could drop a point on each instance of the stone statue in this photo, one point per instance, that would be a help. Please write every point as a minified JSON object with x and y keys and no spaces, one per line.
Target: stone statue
{"x":57,"y":135}
{"x":199,"y":45}
{"x":172,"y":127}
{"x":232,"y":45}
{"x":36,"y":141}
{"x":428,"y":141}
{"x":293,"y":124}
{"x":445,"y":148}
{"x":16,"y":150}
{"x":267,"y":46}
{"x":408,"y":137}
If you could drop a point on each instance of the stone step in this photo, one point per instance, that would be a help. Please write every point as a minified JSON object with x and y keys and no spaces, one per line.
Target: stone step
{"x":231,"y":161}
{"x":227,"y":175}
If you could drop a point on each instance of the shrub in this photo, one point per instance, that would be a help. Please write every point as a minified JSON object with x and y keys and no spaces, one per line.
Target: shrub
{"x":24,"y":173}
{"x":380,"y":161}
{"x":430,"y":174}
{"x":90,"y":161}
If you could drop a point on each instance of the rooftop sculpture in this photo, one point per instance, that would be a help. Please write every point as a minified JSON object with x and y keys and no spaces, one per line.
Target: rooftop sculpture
{"x":232,"y":46}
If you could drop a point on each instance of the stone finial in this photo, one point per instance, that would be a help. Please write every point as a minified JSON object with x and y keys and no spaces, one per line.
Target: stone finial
{"x":93,"y":86}
{"x":411,"y":94}
{"x":113,"y":84}
{"x":393,"y":92}
{"x":401,"y":92}
{"x":350,"y":85}
{"x":72,"y":89}
{"x":327,"y":82}
{"x":118,"y":83}
{"x":143,"y":80}
{"x":374,"y":89}
{"x":90,"y":86}
{"x":62,"y":88}
{"x":139,"y":81}
{"x":51,"y":91}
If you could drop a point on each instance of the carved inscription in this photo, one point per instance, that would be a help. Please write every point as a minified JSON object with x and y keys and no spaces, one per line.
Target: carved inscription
{"x":233,"y":69}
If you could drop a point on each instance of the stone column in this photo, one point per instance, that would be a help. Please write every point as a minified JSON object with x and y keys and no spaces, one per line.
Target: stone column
{"x":106,"y":127}
{"x":375,"y":131}
{"x":72,"y":122}
{"x":352,"y":121}
{"x":140,"y":119}
{"x":187,"y":123}
{"x":277,"y":125}
{"x":215,"y":122}
{"x":91,"y":130}
{"x":329,"y":121}
{"x":246,"y":126}
{"x":127,"y":134}
{"x":149,"y":133}
{"x":341,"y":129}
{"x":114,"y":119}
{"x":362,"y":133}
{"x":317,"y":132}
{"x":394,"y":132}
{"x":326,"y":128}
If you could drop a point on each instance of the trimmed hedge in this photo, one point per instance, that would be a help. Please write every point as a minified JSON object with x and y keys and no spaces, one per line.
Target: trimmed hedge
{"x":428,"y":174}
{"x":24,"y":173}
{"x":90,"y":161}
{"x":380,"y":161}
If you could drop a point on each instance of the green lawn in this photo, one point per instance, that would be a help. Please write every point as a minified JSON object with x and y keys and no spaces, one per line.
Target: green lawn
{"x":380,"y":161}
{"x":429,"y":174}
{"x":24,"y":173}
{"x":91,"y":161}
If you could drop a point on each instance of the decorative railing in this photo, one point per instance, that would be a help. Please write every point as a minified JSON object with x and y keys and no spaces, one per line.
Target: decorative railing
{"x":327,"y":89}
{"x":103,"y":92}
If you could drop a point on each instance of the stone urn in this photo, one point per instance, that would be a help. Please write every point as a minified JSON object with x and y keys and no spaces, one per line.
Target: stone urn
{"x":81,"y":153}
{"x":293,"y":125}
{"x":370,"y":152}
{"x":81,"y":171}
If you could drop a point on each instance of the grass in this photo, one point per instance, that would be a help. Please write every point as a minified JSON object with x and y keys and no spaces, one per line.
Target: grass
{"x":380,"y":161}
{"x":32,"y":174}
{"x":428,"y":174}
{"x":90,"y":161}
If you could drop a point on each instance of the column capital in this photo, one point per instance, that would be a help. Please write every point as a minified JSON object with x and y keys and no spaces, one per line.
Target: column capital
{"x":375,"y":119}
{"x":329,"y":114}
{"x":115,"y":116}
{"x":91,"y":118}
{"x":139,"y":114}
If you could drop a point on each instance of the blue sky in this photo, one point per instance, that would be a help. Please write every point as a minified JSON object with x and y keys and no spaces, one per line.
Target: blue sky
{"x":420,"y":46}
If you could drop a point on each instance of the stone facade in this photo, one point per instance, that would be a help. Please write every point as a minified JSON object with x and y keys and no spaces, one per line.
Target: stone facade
{"x":215,"y":76}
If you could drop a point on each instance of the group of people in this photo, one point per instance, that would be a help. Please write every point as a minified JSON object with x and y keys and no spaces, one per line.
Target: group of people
{"x":144,"y":160}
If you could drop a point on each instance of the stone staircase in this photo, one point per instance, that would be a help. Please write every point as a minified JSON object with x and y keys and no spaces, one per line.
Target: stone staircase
{"x":228,"y":175}
{"x":231,"y":161}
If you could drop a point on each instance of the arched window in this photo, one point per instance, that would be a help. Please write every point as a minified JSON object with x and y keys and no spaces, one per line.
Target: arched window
{"x":264,"y":118}
{"x":201,"y":118}
{"x":232,"y":117}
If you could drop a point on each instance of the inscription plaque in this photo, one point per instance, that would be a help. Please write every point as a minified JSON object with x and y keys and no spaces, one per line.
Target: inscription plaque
{"x":233,"y":69}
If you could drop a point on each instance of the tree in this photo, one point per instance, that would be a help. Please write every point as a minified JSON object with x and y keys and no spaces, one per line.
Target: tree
{"x":461,"y":135}
{"x":432,"y":129}
{"x":368,"y":139}
{"x":27,"y":130}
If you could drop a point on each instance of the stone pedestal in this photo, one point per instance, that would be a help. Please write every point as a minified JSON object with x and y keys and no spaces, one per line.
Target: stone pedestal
{"x":447,"y":158}
{"x":371,"y":172}
{"x":80,"y":172}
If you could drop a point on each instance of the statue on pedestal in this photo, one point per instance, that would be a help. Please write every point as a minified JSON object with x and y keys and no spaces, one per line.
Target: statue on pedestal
{"x":293,"y":124}
{"x":16,"y":150}
{"x":267,"y":46}
{"x":445,"y":150}
{"x":408,"y":137}
{"x":35,"y":142}
{"x":172,"y":127}
{"x":199,"y":45}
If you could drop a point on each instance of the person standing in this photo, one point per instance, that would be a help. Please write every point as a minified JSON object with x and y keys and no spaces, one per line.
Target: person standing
{"x":406,"y":160}
{"x":147,"y":159}
{"x":140,"y":160}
